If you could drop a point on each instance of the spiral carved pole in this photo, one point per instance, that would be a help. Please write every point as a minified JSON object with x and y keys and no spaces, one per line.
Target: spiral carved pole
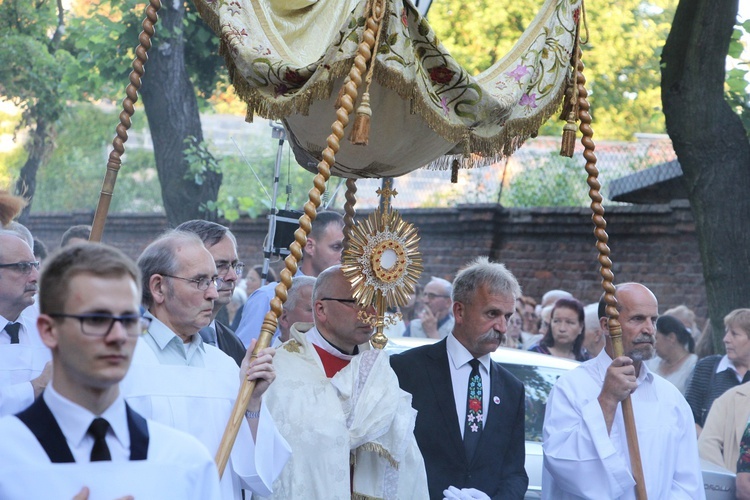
{"x":128,"y":105}
{"x":344,"y":110}
{"x":349,"y":212}
{"x":608,"y":277}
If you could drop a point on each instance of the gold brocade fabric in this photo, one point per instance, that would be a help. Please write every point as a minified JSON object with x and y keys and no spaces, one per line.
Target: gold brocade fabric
{"x":287,"y":60}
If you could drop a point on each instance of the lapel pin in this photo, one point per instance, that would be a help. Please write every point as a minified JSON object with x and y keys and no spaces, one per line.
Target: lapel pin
{"x":496,"y":400}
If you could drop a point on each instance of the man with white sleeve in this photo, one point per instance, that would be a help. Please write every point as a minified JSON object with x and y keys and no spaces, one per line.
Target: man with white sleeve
{"x":181,"y":381}
{"x":585,"y":447}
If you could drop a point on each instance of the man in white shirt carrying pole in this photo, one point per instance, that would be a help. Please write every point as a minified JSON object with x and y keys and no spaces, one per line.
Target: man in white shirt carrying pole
{"x":585,"y":447}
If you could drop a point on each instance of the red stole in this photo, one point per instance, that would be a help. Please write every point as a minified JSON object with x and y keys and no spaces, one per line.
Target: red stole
{"x":331,"y":364}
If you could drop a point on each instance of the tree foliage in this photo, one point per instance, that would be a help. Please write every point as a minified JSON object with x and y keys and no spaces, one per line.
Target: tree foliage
{"x":33,"y":71}
{"x":621,"y":58}
{"x":712,"y":146}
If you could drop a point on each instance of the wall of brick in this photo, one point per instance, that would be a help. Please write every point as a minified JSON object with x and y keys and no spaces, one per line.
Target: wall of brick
{"x":545,"y":248}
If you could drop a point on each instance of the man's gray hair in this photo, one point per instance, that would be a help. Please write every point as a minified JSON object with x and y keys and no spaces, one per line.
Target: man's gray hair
{"x":482,"y":272}
{"x":447,"y":286}
{"x":160,"y":258}
{"x":20,"y":231}
{"x":298,"y":283}
{"x":591,"y":313}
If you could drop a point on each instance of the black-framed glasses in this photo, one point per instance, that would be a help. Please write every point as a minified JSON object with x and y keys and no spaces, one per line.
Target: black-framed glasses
{"x":433,"y":296}
{"x":100,"y":324}
{"x":238,"y":267}
{"x":343,"y":301}
{"x":201,"y":283}
{"x":22,"y":267}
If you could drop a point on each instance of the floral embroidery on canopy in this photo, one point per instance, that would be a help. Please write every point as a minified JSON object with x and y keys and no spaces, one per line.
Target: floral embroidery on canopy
{"x":287,"y":60}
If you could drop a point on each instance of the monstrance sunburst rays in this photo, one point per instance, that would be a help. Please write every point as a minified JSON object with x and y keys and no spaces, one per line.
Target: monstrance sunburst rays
{"x":383,"y":263}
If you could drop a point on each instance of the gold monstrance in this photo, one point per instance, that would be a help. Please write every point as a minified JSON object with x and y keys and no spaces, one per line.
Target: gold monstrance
{"x":383,"y":263}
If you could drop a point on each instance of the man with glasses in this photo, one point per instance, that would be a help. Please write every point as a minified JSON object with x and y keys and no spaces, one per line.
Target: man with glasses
{"x":80,"y":436}
{"x":24,"y":360}
{"x":436,"y":319}
{"x":180,"y":380}
{"x":321,"y":251}
{"x":221,"y":244}
{"x":339,"y":406}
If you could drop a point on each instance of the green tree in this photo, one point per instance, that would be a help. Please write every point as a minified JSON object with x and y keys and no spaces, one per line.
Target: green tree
{"x":712,"y":146}
{"x":177,"y":73}
{"x":621,"y":58}
{"x":33,"y":71}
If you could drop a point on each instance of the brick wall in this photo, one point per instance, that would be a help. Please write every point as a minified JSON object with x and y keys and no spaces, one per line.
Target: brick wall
{"x":545,"y":248}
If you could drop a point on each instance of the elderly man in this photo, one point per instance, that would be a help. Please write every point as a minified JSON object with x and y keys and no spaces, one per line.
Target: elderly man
{"x":90,"y":320}
{"x":593,"y":330}
{"x":322,"y":250}
{"x":179,"y":380}
{"x":339,"y":406}
{"x":435,"y":321}
{"x":585,"y":447}
{"x":298,"y":306}
{"x":470,"y":420}
{"x":221,"y":244}
{"x":24,"y":360}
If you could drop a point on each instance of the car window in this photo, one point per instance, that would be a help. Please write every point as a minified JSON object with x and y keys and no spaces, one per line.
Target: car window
{"x":538,"y":381}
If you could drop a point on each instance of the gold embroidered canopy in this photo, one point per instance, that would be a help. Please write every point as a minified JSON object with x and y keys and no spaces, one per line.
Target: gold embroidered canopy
{"x":288,"y":59}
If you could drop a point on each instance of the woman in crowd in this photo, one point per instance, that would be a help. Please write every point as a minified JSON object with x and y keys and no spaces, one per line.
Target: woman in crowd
{"x":512,"y":337}
{"x":564,"y":338}
{"x":719,"y":441}
{"x":674,"y":348}
{"x":714,"y":375}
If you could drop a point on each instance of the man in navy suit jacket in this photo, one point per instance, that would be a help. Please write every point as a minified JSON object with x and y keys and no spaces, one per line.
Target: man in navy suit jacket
{"x":456,"y":408}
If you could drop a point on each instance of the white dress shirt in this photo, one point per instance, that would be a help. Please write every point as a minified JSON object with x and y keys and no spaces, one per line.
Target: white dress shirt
{"x":170,"y":349}
{"x":458,"y":362}
{"x":583,"y":460}
{"x":20,"y":363}
{"x":74,"y":421}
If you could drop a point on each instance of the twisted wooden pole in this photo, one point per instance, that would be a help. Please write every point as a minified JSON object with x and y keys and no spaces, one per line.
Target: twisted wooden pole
{"x":128,"y":105}
{"x":349,"y":212}
{"x":608,"y":277}
{"x":344,"y":110}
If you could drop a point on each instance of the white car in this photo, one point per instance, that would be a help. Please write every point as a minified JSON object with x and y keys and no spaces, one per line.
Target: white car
{"x":538,"y":372}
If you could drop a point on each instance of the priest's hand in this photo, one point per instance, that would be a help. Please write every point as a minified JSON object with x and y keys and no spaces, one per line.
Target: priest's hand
{"x":259,"y":369}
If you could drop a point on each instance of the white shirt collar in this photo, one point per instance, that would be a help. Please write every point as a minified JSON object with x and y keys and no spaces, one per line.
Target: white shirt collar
{"x":163,"y":335}
{"x":458,"y":355}
{"x":74,"y":420}
{"x":725,"y":363}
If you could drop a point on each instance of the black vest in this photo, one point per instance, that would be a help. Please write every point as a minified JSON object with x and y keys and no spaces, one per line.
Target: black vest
{"x":40,"y":421}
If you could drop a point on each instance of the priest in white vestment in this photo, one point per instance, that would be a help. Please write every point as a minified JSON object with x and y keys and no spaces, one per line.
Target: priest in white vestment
{"x":338,"y":404}
{"x":80,"y":439}
{"x":185,"y":383}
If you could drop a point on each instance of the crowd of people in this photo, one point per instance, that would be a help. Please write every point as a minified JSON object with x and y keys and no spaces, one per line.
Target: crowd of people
{"x":106,"y":361}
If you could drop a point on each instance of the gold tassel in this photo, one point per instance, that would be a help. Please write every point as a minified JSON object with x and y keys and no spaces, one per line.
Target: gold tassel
{"x":361,"y":129}
{"x":568,"y":145}
{"x":454,"y":172}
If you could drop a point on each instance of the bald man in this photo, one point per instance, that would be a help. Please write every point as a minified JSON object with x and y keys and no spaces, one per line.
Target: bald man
{"x":585,"y":448}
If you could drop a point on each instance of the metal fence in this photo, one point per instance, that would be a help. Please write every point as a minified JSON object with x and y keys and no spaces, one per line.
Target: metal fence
{"x":535,"y":176}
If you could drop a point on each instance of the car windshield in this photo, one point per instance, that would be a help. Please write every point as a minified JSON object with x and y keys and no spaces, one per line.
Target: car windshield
{"x":538,"y":381}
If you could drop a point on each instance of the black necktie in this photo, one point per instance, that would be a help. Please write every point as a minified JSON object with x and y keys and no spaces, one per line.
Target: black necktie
{"x":473,"y":424}
{"x":12,"y":329}
{"x":98,"y":429}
